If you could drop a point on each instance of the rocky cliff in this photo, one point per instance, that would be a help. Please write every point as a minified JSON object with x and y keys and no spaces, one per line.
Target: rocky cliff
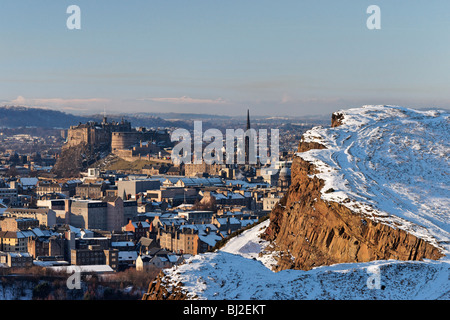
{"x":312,"y":232}
{"x":160,"y":289}
{"x":75,"y":159}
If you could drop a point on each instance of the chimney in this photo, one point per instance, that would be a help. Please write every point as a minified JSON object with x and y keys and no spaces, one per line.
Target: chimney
{"x":67,"y":205}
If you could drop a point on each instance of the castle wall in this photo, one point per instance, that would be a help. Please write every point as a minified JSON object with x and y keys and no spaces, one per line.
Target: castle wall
{"x":124,"y":140}
{"x":76,"y":136}
{"x":94,"y":133}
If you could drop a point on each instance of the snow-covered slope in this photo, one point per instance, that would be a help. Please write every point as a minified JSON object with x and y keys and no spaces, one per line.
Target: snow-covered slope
{"x":238,"y":272}
{"x":388,"y":163}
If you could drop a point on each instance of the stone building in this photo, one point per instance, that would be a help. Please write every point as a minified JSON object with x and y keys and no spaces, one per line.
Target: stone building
{"x":13,"y":241}
{"x":9,"y":195}
{"x":16,"y":259}
{"x":46,"y":187}
{"x":129,"y":210}
{"x":114,"y":213}
{"x":228,"y":198}
{"x":45,"y":246}
{"x":227,"y":225}
{"x":91,"y":190}
{"x":14,"y":224}
{"x":139,"y":229}
{"x":95,"y":255}
{"x":198,"y":216}
{"x":45,"y":216}
{"x":162,"y":259}
{"x":284,"y":179}
{"x":192,"y":169}
{"x":184,"y":241}
{"x":126,"y":188}
{"x":155,"y":169}
{"x":270,"y":202}
{"x":174,"y":195}
{"x":89,"y":214}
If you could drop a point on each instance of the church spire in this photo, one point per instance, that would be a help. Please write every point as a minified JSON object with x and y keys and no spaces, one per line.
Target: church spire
{"x":247,"y":140}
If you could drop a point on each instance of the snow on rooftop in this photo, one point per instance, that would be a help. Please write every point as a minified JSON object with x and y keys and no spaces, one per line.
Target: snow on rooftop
{"x":87,"y":268}
{"x":29,"y":181}
{"x":127,"y":255}
{"x":122,"y":244}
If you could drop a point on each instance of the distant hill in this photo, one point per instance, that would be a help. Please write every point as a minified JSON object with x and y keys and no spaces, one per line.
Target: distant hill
{"x":15,"y":117}
{"x":18,"y":116}
{"x":186,"y":116}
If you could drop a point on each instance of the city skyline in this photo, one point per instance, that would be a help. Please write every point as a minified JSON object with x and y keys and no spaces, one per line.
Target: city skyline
{"x":289,"y":58}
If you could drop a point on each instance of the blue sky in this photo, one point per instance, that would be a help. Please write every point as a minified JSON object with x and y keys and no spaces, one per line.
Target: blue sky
{"x":274,"y":57}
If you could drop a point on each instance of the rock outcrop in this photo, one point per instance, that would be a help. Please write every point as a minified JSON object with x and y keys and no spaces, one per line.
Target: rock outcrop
{"x":75,"y":159}
{"x":159,"y":289}
{"x":311,"y":232}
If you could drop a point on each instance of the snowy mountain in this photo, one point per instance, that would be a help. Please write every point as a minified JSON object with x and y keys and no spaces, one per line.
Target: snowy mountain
{"x":385,"y":163}
{"x":390,"y":158}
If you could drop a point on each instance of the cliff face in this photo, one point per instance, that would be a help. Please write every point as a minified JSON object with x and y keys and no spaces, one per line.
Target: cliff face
{"x":312,"y":232}
{"x":160,"y":290}
{"x":75,"y":159}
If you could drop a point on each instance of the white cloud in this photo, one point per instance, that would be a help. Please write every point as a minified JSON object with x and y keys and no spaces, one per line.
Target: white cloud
{"x":59,"y":103}
{"x":186,"y":100}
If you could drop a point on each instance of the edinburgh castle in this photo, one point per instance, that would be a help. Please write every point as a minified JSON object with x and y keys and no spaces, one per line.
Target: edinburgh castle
{"x":114,"y":135}
{"x":89,"y":142}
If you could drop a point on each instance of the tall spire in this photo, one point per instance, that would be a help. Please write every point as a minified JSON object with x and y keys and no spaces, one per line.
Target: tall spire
{"x":105,"y":120}
{"x":247,"y":140}
{"x":248,"y":119}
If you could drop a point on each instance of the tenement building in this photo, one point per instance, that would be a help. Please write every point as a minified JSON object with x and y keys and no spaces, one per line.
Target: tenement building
{"x":185,"y":241}
{"x":45,"y":216}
